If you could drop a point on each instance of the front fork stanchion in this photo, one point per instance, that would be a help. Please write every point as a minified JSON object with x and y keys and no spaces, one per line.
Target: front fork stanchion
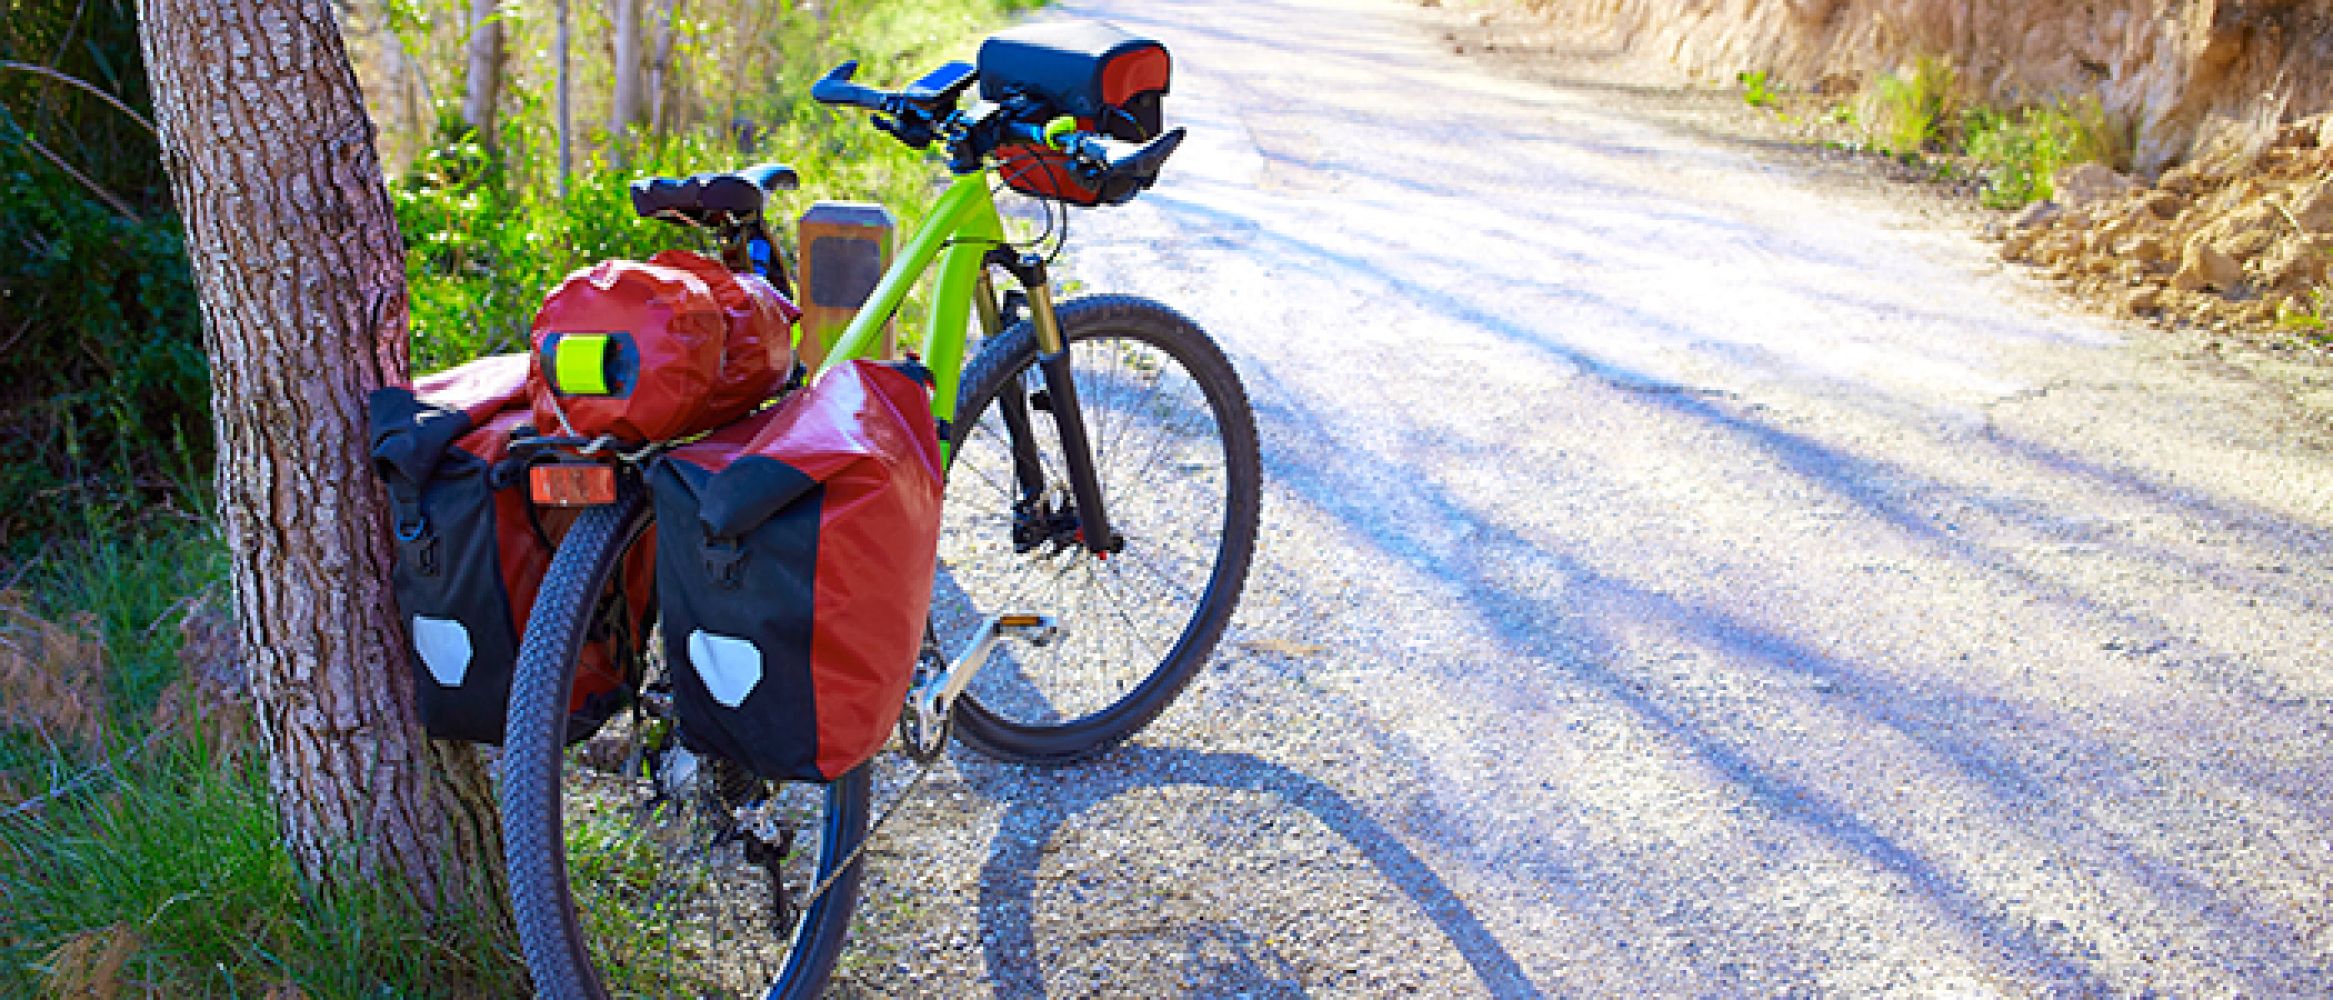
{"x":1013,"y":403}
{"x":1085,"y":484}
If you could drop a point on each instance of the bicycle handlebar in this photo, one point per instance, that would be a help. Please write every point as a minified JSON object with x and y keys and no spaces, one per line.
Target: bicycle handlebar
{"x":918,"y":120}
{"x":836,"y":88}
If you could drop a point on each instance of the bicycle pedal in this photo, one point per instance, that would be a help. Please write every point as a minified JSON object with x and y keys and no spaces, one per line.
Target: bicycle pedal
{"x":1029,"y":627}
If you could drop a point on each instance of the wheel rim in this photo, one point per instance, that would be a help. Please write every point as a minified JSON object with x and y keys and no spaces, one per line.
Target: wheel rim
{"x":670,"y":877}
{"x":1166,"y":475}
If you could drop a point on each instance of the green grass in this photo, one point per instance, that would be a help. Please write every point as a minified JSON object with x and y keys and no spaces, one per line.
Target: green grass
{"x":1757,"y":88}
{"x":2315,"y":318}
{"x":180,"y":853}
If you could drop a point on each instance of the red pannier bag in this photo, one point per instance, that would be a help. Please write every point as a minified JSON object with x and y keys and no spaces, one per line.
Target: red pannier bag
{"x":1109,"y":81}
{"x":658,"y":351}
{"x":471,"y":553}
{"x":796,"y":571}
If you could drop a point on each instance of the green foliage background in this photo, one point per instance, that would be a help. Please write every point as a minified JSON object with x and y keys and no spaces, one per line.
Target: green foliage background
{"x":103,"y":387}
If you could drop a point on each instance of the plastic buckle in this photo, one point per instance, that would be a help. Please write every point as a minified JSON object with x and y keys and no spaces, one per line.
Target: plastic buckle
{"x":424,"y":554}
{"x":725,"y":562}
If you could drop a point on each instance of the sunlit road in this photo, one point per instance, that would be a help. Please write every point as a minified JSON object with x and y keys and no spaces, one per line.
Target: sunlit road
{"x":1678,"y":580}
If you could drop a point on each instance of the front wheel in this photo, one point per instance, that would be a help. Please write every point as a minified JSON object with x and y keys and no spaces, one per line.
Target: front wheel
{"x":640,"y":869}
{"x":1175,"y":450}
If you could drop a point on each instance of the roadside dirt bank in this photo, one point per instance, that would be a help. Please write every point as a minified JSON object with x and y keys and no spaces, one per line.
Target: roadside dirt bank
{"x":2226,"y":261}
{"x":2189,"y":74}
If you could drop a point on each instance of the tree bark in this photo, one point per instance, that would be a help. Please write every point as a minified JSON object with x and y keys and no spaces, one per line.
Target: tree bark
{"x":624,"y":107}
{"x":660,"y":79}
{"x":482,"y":96}
{"x":301,"y":276}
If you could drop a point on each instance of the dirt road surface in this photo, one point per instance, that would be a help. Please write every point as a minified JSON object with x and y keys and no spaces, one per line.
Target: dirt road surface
{"x":1679,"y":578}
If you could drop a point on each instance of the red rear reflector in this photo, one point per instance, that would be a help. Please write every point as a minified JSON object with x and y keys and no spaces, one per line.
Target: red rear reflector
{"x":572,"y":485}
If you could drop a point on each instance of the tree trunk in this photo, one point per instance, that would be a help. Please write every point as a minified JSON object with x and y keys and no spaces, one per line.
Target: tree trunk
{"x":394,"y":99}
{"x":661,"y":113}
{"x":624,"y":107}
{"x":483,"y":93}
{"x":302,"y":281}
{"x":566,"y":118}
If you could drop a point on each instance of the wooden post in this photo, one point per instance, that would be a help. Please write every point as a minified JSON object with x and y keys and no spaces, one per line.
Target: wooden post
{"x":845,"y":247}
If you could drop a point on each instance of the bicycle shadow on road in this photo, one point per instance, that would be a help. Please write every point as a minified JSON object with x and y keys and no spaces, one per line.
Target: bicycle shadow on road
{"x":1033,"y":823}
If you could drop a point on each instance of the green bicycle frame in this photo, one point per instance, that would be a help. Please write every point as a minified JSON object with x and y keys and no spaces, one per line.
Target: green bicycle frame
{"x":959,"y":233}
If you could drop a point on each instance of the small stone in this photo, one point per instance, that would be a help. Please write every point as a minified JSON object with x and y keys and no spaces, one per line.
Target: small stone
{"x":2086,"y":183}
{"x":2247,"y":244}
{"x":2297,"y":265}
{"x":2142,"y":301}
{"x":2036,"y":214}
{"x":2165,"y":204}
{"x":2206,"y":266}
{"x":2313,"y":207}
{"x":2017,"y":243}
{"x":2149,"y":247}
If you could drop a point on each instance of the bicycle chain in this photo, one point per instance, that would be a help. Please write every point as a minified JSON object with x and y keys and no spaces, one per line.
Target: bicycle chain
{"x":874,"y":828}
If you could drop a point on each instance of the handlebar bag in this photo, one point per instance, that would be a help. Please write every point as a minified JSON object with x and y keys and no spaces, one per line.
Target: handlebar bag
{"x":657,"y":350}
{"x":796,"y":571}
{"x":1110,"y":81}
{"x":471,"y":551}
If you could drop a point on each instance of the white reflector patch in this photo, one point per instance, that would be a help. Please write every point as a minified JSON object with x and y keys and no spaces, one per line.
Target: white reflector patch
{"x":730,"y":666}
{"x":444,"y":646}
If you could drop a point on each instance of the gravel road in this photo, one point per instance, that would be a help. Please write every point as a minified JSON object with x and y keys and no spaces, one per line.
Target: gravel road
{"x":1680,"y":577}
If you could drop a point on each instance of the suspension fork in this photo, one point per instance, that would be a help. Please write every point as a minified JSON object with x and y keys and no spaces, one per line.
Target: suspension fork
{"x":1085,"y":483}
{"x":1013,"y":402}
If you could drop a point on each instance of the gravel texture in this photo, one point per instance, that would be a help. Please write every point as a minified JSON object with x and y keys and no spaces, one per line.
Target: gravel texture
{"x":1681,"y":576}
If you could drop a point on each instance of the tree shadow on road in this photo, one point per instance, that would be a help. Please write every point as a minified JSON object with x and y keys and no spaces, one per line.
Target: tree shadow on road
{"x":1985,"y":738}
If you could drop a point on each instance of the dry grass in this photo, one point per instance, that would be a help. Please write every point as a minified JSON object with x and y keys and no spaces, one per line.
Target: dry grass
{"x":90,"y":965}
{"x":212,"y":693}
{"x":52,"y":676}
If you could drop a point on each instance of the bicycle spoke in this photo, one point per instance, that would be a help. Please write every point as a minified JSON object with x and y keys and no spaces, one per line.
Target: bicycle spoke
{"x":1144,"y":412}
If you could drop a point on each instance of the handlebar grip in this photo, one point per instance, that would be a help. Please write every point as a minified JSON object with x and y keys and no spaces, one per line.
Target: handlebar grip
{"x":836,"y":88}
{"x":1116,"y":156}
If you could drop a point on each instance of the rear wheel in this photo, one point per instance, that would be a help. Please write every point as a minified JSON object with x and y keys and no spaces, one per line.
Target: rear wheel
{"x":1175,"y":449}
{"x":640,"y":869}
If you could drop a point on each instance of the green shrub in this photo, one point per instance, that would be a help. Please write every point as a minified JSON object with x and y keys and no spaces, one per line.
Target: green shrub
{"x":1909,"y":112}
{"x":103,"y":383}
{"x":2021,"y":152}
{"x":1757,"y":88}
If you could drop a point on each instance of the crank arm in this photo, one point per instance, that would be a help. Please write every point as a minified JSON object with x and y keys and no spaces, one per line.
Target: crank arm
{"x":933,"y":700}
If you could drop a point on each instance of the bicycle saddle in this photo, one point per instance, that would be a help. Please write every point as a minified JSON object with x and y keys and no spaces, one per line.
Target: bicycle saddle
{"x":706,"y":199}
